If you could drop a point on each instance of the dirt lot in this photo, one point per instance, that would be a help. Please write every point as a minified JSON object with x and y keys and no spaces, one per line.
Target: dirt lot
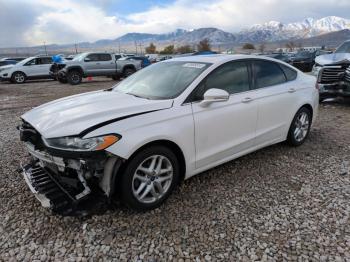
{"x":280,"y":203}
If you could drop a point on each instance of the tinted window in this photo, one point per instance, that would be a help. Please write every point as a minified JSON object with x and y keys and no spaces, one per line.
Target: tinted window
{"x":289,"y":72}
{"x":268,"y":74}
{"x":44,"y":60}
{"x":105,"y":57}
{"x":117,"y":57}
{"x":30,"y":62}
{"x":93,"y":57}
{"x":232,"y":77}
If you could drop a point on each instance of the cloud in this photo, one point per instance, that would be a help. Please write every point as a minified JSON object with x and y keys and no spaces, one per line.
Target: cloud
{"x":69,"y":21}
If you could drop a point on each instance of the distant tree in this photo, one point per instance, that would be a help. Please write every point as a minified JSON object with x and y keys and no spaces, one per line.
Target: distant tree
{"x":151,"y":49}
{"x":204,"y":45}
{"x":291,"y":46}
{"x":262,"y":47}
{"x":168,"y":50}
{"x":248,"y":46}
{"x":184,"y":49}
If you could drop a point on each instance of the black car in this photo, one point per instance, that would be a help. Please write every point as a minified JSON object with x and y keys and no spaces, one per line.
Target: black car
{"x":8,"y":62}
{"x":303,"y":60}
{"x":280,"y":56}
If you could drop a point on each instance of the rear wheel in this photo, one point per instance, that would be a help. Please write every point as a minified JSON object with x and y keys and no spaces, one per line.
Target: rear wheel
{"x":300,"y":127}
{"x":74,"y":77}
{"x":18,"y":78}
{"x":129,"y":72}
{"x":149,"y":178}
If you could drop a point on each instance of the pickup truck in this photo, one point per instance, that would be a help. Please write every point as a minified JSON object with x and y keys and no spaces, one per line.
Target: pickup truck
{"x":92,"y":64}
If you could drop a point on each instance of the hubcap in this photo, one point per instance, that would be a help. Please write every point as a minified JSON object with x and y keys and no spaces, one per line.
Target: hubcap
{"x":19,"y":78}
{"x":301,"y":126}
{"x":152,"y":179}
{"x":75,"y":78}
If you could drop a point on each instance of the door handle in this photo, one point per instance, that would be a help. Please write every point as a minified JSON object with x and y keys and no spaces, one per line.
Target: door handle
{"x":247,"y":99}
{"x":291,"y":90}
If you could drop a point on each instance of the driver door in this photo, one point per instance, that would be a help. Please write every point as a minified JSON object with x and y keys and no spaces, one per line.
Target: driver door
{"x":224,"y":129}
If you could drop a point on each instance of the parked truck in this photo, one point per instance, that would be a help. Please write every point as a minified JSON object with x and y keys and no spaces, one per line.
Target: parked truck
{"x":92,"y":64}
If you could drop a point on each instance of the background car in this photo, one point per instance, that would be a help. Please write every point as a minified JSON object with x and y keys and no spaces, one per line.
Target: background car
{"x":144,"y":60}
{"x":8,"y":62}
{"x":28,"y":69}
{"x":18,"y":59}
{"x":303,"y":60}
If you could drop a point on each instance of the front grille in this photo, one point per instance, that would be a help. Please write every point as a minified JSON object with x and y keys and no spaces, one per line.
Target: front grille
{"x":332,"y":74}
{"x":347,"y":74}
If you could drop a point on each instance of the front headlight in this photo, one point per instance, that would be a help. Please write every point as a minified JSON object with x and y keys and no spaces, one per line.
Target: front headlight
{"x":82,"y":144}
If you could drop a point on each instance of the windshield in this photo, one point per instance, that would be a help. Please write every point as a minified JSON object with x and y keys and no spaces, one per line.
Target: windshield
{"x":78,"y":57}
{"x":163,"y":80}
{"x":344,"y":48}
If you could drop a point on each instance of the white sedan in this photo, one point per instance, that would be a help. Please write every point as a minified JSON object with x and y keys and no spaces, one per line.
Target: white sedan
{"x":168,"y":122}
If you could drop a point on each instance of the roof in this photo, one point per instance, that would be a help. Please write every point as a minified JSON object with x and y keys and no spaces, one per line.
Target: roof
{"x":218,"y":58}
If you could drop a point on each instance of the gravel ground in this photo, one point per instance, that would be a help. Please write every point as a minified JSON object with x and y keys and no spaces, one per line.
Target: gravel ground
{"x":279,"y":203}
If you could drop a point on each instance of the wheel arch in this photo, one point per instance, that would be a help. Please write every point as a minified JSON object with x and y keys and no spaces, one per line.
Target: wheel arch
{"x":129,"y":66}
{"x":78,"y":68}
{"x":18,"y":71}
{"x":309,"y":107}
{"x":170,"y":145}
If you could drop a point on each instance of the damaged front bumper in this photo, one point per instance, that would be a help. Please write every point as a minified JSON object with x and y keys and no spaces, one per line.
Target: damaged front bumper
{"x":70,"y":185}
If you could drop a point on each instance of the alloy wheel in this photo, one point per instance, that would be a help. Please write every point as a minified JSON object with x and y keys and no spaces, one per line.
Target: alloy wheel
{"x":301,"y":126}
{"x":152,"y":179}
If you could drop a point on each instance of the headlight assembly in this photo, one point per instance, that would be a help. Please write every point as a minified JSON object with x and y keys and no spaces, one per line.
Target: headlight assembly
{"x":82,"y":144}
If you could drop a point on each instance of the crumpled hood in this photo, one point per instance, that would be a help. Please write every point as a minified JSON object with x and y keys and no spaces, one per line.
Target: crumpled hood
{"x":333,"y":59}
{"x":71,"y":115}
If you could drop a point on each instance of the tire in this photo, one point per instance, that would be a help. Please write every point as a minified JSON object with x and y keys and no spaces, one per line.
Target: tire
{"x":18,"y":78}
{"x":135,"y":183}
{"x":300,"y":127}
{"x":74,"y":77}
{"x":128,"y":72}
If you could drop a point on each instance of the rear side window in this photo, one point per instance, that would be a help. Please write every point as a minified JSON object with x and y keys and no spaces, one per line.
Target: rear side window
{"x":105,"y":57}
{"x":44,"y":60}
{"x":268,"y":74}
{"x":290,"y":73}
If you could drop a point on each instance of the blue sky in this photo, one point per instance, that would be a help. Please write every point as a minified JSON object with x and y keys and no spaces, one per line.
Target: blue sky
{"x":70,"y":21}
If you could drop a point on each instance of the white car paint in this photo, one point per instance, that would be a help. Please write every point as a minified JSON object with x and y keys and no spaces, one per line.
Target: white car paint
{"x":30,"y":70}
{"x":207,"y":136}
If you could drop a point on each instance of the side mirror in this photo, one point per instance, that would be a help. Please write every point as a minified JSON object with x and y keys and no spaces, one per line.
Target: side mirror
{"x":86,"y":59}
{"x":214,"y":95}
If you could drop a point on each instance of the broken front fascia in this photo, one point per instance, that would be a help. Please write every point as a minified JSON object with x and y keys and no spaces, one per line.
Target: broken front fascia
{"x":62,"y":172}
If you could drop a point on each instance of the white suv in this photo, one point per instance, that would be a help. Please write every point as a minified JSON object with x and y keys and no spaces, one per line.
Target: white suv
{"x":27,"y":69}
{"x":165,"y":123}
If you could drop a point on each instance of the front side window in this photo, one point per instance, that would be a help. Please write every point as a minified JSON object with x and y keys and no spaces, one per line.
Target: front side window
{"x":164,"y":80}
{"x":93,"y":57}
{"x":268,"y":74}
{"x":232,"y":77}
{"x":30,"y":62}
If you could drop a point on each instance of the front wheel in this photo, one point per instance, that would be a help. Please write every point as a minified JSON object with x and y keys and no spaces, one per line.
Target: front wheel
{"x":74,"y":77}
{"x":129,"y":72}
{"x":300,"y":127}
{"x":149,"y":178}
{"x":18,"y":78}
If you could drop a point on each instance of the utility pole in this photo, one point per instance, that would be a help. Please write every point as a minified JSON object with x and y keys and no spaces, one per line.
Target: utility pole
{"x":135,"y":46}
{"x":76,"y":48}
{"x":45,"y":48}
{"x":119,"y":46}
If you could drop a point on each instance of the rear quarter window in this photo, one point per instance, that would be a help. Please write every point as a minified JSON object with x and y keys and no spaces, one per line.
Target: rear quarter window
{"x":290,"y":73}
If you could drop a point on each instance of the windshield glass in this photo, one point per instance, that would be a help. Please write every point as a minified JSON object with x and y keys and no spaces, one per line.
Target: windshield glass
{"x":78,"y":57}
{"x":344,"y":48}
{"x":163,"y":80}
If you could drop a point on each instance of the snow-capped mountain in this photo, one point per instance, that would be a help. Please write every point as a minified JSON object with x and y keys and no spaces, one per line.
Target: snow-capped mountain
{"x":309,"y":27}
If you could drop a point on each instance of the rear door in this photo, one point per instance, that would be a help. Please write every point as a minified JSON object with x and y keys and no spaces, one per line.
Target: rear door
{"x":43,"y":66}
{"x":276,"y":96}
{"x":107,"y":64}
{"x":224,"y":129}
{"x":92,"y":64}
